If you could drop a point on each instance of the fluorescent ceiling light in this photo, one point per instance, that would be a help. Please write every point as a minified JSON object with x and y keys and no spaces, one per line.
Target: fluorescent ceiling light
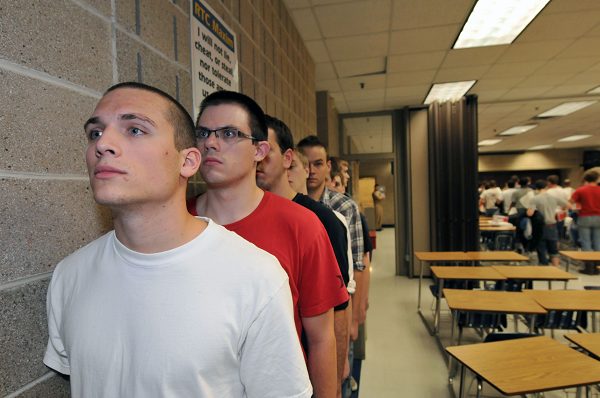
{"x":566,"y":108}
{"x":538,"y":147}
{"x":495,"y":22}
{"x":442,"y":92}
{"x":576,"y":137}
{"x":518,"y":129}
{"x":594,"y":90}
{"x":489,"y":142}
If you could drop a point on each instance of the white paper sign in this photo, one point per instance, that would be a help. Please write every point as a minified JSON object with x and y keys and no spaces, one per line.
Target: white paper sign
{"x":214,"y":54}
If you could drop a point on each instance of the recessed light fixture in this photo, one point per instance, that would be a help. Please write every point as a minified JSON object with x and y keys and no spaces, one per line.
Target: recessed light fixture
{"x":566,"y":108}
{"x":495,"y":22}
{"x":538,"y":147}
{"x":518,"y":129}
{"x":442,"y":92}
{"x":594,"y":91}
{"x":575,"y":137}
{"x":489,"y":142}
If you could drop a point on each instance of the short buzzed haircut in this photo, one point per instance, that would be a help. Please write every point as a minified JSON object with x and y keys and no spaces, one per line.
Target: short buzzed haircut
{"x":310,"y":141}
{"x":256,"y":116}
{"x":177,"y":115}
{"x":540,"y":184}
{"x":590,"y":176}
{"x":283,"y":135}
{"x":553,"y":179}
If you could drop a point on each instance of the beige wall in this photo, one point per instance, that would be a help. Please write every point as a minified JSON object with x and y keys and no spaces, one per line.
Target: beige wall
{"x":381,"y":172}
{"x":568,"y":160}
{"x":56,"y":58}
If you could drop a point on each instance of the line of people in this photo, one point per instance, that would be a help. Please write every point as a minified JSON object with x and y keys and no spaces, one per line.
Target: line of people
{"x":545,"y":212}
{"x":256,"y":288}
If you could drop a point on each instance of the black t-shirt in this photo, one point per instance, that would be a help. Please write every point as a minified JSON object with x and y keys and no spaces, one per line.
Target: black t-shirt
{"x":368,"y":246}
{"x":335,"y":230}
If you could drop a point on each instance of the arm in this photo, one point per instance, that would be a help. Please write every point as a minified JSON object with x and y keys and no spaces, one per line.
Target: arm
{"x":366,"y":279}
{"x":321,"y":357}
{"x":357,"y":300}
{"x":341,"y":345}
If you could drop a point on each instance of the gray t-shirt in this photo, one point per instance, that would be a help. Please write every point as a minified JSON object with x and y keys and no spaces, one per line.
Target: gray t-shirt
{"x":547,"y":204}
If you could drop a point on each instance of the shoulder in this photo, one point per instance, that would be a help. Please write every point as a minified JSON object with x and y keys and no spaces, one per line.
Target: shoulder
{"x":293,"y":212}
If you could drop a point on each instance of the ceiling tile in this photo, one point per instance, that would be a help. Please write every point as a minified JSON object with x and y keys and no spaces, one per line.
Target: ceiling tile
{"x":407,"y":91}
{"x":370,"y":82}
{"x":569,"y":65}
{"x":408,"y":78}
{"x":293,"y":4}
{"x":415,"y":62}
{"x":325,"y":71}
{"x":496,"y":84}
{"x":399,"y":102}
{"x":498,"y":71}
{"x":460,"y":74}
{"x":306,"y":23}
{"x":558,"y":26}
{"x":489,"y":95}
{"x":354,"y":18}
{"x":358,"y":47}
{"x":536,"y":51}
{"x":363,"y":106}
{"x":360,"y":67}
{"x":541,"y":79}
{"x":562,"y":6}
{"x":362,"y":95}
{"x":568,"y":90}
{"x":408,"y":14}
{"x":425,"y":39}
{"x":317,"y":51}
{"x":581,"y":48}
{"x":525,"y":93}
{"x":473,"y":56}
{"x":328,"y":85}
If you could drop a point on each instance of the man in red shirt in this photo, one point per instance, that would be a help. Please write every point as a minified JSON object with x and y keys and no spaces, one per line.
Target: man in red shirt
{"x":232,"y":136}
{"x":587,"y":198}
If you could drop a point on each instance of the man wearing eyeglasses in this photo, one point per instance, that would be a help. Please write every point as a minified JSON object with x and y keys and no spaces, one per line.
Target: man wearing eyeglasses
{"x":162,"y":306}
{"x":231,"y":133}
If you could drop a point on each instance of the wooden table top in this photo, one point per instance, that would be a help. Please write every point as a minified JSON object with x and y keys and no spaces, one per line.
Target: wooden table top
{"x":567,"y":300}
{"x":581,"y":256}
{"x":497,"y":228}
{"x":496,"y":255}
{"x":467,"y":272}
{"x":492,"y":301}
{"x":528,"y":365}
{"x":533,"y":272}
{"x":588,"y":341}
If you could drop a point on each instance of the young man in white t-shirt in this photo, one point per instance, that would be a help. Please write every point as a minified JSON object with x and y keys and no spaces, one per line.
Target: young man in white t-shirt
{"x":167,"y":304}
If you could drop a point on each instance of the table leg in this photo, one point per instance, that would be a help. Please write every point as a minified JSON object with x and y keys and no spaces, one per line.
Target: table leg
{"x":532,"y":324}
{"x":438,"y":303}
{"x":420,"y":281}
{"x":461,"y":388}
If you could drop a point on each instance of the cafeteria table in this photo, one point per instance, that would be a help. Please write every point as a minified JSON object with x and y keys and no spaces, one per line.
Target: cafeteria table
{"x":590,"y":342}
{"x":580,"y":256}
{"x":568,"y":300}
{"x":535,"y":273}
{"x":458,"y":273}
{"x":527,"y":365}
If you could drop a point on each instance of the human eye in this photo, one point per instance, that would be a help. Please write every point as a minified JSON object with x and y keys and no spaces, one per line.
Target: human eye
{"x":136,"y":131}
{"x":229,"y":133}
{"x":202,"y":133}
{"x":94,"y":134}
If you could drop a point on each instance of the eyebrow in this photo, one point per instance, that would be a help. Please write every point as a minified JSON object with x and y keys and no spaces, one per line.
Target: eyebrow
{"x":125,"y":116}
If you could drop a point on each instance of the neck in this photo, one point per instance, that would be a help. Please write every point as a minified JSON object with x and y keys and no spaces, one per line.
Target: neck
{"x":316,"y":193}
{"x":229,"y":204}
{"x":283,"y":188}
{"x":153,"y":229}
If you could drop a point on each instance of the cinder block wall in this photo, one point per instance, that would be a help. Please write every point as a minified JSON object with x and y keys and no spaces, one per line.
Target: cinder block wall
{"x":56,"y":58}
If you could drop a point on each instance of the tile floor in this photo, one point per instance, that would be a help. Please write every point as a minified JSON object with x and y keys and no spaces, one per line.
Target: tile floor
{"x":402,"y":359}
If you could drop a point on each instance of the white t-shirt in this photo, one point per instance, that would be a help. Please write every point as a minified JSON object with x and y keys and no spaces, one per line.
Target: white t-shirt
{"x":491,"y":197}
{"x":211,"y":318}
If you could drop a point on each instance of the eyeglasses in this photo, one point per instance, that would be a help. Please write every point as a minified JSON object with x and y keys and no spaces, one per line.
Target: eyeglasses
{"x":228,"y":135}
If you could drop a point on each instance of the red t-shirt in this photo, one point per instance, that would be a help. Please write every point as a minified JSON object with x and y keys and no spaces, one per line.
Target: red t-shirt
{"x":588,"y":197}
{"x":296,"y":237}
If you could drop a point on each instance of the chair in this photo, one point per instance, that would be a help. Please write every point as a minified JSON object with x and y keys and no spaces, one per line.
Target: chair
{"x":504,"y":241}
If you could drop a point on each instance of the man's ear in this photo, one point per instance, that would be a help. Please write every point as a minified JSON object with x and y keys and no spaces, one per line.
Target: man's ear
{"x":329,"y":165}
{"x":191,"y":158}
{"x":288,"y":157}
{"x":262,"y":150}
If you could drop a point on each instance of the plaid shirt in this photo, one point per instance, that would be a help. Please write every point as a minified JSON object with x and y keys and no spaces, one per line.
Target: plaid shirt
{"x":347,"y":206}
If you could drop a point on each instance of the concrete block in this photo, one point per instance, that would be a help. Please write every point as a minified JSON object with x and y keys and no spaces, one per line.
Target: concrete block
{"x":260,"y":95}
{"x":259,"y":66}
{"x":102,"y":6}
{"x":156,"y":70}
{"x":42,"y":126}
{"x":24,"y":335}
{"x":156,"y":25}
{"x":247,"y":17}
{"x":126,"y":15}
{"x":56,"y":386}
{"x":42,"y":221}
{"x":59,"y":38}
{"x":247,"y":52}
